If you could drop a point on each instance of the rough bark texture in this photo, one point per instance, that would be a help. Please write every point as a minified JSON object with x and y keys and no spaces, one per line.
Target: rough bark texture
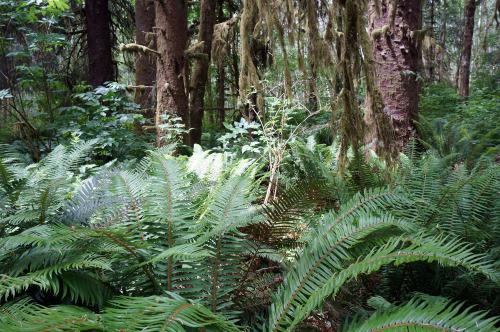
{"x":221,"y":76}
{"x":99,"y":42}
{"x":171,"y":38}
{"x":431,"y":64}
{"x":200,"y":71}
{"x":442,"y":73}
{"x":396,"y":55}
{"x":145,"y":64}
{"x":311,"y":84}
{"x":221,"y":111}
{"x":470,"y":10}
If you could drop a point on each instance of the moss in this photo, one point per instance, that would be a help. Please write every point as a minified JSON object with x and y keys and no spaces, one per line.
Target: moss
{"x":222,"y":32}
{"x":377,"y":33}
{"x":136,"y":48}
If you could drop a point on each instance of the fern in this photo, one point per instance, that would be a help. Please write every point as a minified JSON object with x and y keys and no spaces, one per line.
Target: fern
{"x":173,"y":244}
{"x":424,"y":314}
{"x":167,"y":313}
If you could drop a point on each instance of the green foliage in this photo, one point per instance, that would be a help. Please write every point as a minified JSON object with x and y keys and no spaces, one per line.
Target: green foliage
{"x":243,"y":139}
{"x":464,"y":130}
{"x":424,"y":313}
{"x":176,"y":243}
{"x":42,"y":106}
{"x":174,"y":129}
{"x":104,"y":114}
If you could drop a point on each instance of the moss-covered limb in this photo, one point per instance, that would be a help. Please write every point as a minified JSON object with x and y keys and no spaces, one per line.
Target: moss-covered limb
{"x":496,"y":12}
{"x":195,"y":51}
{"x":195,"y":48}
{"x":221,"y":39}
{"x":139,"y":87}
{"x":377,"y":33}
{"x":352,"y":123}
{"x":320,"y":52}
{"x":133,"y":48}
{"x":249,"y":76}
{"x":393,"y":5}
{"x":419,"y":35}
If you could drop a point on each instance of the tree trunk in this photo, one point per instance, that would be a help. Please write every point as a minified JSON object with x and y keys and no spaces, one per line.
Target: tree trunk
{"x":221,"y":77}
{"x":431,"y":65}
{"x":99,"y":42}
{"x":145,"y":64}
{"x":221,"y":111}
{"x":470,"y":10}
{"x":443,"y":44}
{"x":312,"y":102}
{"x":396,"y":55}
{"x":171,"y":39}
{"x":200,"y":71}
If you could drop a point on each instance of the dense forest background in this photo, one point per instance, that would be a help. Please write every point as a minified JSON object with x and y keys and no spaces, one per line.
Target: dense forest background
{"x":249,"y":165}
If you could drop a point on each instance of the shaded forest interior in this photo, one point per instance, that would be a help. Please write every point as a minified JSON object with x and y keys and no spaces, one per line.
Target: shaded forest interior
{"x":250,"y":165}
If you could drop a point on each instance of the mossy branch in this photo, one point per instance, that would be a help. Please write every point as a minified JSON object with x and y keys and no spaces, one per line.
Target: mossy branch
{"x":195,"y":48}
{"x":133,"y":48}
{"x":377,"y":33}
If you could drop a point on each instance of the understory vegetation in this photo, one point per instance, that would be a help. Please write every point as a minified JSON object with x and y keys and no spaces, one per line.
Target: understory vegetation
{"x":173,"y":243}
{"x":249,"y":165}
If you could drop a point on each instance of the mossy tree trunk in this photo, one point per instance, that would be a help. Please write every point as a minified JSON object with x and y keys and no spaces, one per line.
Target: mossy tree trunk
{"x":396,"y":31}
{"x":99,"y":42}
{"x":145,"y":64}
{"x":171,"y":38}
{"x":442,"y":65}
{"x":312,"y":48}
{"x":470,"y":10}
{"x":432,"y":49}
{"x":200,"y":72}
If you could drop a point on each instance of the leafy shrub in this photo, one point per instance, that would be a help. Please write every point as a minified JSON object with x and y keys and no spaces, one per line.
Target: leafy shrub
{"x":104,"y":114}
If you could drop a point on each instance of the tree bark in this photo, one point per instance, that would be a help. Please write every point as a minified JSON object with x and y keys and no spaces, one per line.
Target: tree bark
{"x":171,"y":39}
{"x":431,"y":65}
{"x":470,"y":10}
{"x":99,"y":42}
{"x":200,"y":71}
{"x":221,"y":111}
{"x":221,"y":77}
{"x":396,"y":55}
{"x":443,"y":43}
{"x":145,"y":64}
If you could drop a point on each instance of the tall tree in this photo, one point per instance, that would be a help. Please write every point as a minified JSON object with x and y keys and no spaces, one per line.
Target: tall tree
{"x":442,"y":73}
{"x":145,"y":63}
{"x":470,"y":10}
{"x":171,"y":73}
{"x":395,"y":28}
{"x":200,"y":72}
{"x":99,"y":42}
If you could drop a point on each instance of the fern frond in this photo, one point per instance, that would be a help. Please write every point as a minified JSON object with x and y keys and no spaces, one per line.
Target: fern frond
{"x":319,"y":261}
{"x":162,"y":313}
{"x":370,"y":202}
{"x":39,"y":318}
{"x":450,"y":253}
{"x":227,"y":208}
{"x":89,"y":199}
{"x":168,"y":213}
{"x":425,"y":314}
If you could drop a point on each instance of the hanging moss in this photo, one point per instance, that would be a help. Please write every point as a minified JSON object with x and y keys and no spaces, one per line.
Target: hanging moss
{"x":136,"y":48}
{"x":393,"y":5}
{"x":248,"y":72}
{"x":221,"y":39}
{"x":377,"y":33}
